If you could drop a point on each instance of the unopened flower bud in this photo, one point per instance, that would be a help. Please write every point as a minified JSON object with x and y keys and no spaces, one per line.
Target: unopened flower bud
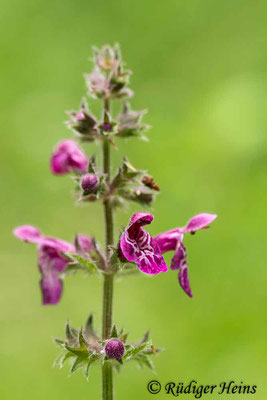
{"x":106,"y":126}
{"x":89,"y":183}
{"x":114,"y":349}
{"x":83,"y":122}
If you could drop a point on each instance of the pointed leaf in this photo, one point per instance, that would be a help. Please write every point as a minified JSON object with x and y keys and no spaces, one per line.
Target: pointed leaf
{"x":58,"y":360}
{"x":124,"y":337}
{"x":132,"y":352}
{"x":77,"y":243}
{"x":137,"y":349}
{"x":86,"y":369}
{"x":114,"y":333}
{"x":91,"y":165}
{"x":143,"y":360}
{"x":146,"y":337}
{"x":85,"y":262}
{"x":67,"y":356}
{"x":77,"y":350}
{"x":82,"y":341}
{"x":71,"y":268}
{"x":89,"y":330}
{"x":78,"y":363}
{"x":59,"y":342}
{"x":68,"y":333}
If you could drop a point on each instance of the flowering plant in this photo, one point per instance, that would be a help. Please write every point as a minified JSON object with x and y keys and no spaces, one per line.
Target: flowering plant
{"x":135,"y":248}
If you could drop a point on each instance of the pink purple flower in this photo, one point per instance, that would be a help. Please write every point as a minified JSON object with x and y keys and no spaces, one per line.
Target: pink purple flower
{"x":68,"y":157}
{"x":51,"y":261}
{"x":173,"y":240}
{"x":138,"y":246}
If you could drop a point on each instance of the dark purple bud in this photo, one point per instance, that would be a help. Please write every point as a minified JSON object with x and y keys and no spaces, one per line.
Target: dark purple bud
{"x":114,"y":349}
{"x":106,"y":127}
{"x":89,"y":183}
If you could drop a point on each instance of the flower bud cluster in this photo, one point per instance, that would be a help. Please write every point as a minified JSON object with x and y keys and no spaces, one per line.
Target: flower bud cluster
{"x":83,"y":123}
{"x":130,"y":123}
{"x":132,"y":185}
{"x":84,"y":347}
{"x":107,"y":81}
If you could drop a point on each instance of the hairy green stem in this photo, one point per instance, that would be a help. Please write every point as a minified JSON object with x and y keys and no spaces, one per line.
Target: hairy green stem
{"x":107,"y":382}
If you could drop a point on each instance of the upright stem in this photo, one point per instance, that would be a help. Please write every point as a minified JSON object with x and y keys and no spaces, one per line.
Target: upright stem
{"x":107,"y":383}
{"x":108,"y":277}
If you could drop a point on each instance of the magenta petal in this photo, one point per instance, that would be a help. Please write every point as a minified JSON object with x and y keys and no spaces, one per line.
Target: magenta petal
{"x":184,"y":279}
{"x":128,"y":243}
{"x":85,"y":242}
{"x":67,"y":146}
{"x":50,"y":259}
{"x":78,"y":162}
{"x":179,"y":257}
{"x":168,"y":240}
{"x":140,"y":219}
{"x":137,"y":245}
{"x":57,"y":244}
{"x":59,"y":163}
{"x":199,"y":221}
{"x":179,"y":261}
{"x":28,"y":233}
{"x":151,"y":262}
{"x":51,"y":287}
{"x":66,"y":157}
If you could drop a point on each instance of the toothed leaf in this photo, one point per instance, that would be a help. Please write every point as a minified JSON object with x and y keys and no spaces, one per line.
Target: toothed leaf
{"x":68,"y":333}
{"x":82,"y":341}
{"x":84,"y":262}
{"x":134,"y":350}
{"x":89,"y":363}
{"x":146,"y":337}
{"x":89,"y":330}
{"x":144,"y":361}
{"x":114,"y":333}
{"x":59,"y":342}
{"x":78,"y":363}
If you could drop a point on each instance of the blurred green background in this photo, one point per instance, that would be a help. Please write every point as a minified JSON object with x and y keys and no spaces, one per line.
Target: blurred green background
{"x":200,"y":69}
